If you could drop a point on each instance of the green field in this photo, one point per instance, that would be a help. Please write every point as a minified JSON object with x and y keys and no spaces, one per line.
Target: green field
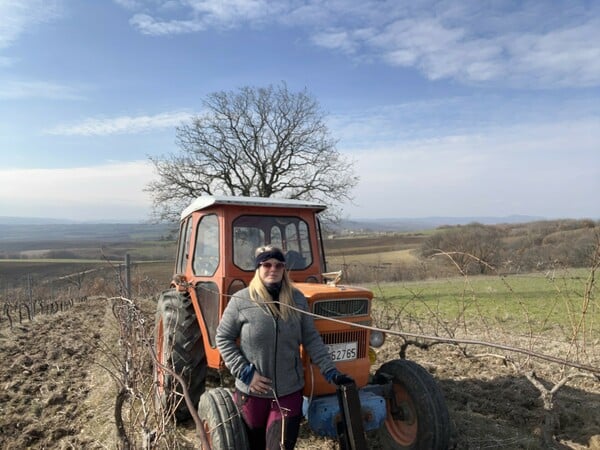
{"x":530,"y":303}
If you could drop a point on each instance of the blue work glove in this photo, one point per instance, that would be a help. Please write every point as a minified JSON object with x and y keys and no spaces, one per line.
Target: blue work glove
{"x":247,"y":374}
{"x":336,"y":377}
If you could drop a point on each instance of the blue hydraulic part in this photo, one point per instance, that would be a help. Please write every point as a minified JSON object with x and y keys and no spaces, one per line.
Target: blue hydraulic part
{"x":323,"y":413}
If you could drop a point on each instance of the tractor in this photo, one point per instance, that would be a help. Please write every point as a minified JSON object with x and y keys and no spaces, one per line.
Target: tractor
{"x":400,"y":400}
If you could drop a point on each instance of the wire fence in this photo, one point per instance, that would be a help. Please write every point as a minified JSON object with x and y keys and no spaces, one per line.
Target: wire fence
{"x":24,"y":297}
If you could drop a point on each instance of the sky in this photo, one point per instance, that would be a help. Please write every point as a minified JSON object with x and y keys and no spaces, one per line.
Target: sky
{"x":446,"y":108}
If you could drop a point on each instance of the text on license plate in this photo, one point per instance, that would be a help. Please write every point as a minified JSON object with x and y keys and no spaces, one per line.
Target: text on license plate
{"x":344,"y":351}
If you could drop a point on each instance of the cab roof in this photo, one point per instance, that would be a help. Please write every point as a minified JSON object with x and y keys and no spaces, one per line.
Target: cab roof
{"x":206,"y":201}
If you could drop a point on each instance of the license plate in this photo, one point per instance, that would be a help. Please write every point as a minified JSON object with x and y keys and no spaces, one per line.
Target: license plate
{"x":343,"y":352}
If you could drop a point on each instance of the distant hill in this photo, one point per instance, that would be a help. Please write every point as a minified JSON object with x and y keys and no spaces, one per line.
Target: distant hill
{"x":426,"y":223}
{"x":8,"y":220}
{"x":81,"y":232}
{"x":20,"y":229}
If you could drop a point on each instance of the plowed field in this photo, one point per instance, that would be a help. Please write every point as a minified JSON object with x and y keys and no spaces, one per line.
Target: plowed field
{"x":57,"y":392}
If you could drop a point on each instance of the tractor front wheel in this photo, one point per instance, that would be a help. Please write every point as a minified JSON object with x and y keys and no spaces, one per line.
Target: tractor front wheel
{"x":417,"y":416}
{"x":222,"y":422}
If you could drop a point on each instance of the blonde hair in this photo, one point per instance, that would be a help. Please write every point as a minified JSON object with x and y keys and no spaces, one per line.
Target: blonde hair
{"x":259,"y":293}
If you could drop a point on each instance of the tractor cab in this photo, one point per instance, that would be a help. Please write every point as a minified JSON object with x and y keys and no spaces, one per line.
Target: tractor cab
{"x":218,"y":238}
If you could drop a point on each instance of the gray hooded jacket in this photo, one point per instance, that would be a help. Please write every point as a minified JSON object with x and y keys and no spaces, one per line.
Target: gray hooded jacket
{"x":270,"y":343}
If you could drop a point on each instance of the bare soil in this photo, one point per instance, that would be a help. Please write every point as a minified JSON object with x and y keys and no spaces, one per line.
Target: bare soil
{"x":57,"y":394}
{"x":44,"y":377}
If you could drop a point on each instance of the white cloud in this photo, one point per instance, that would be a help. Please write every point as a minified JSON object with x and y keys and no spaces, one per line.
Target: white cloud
{"x":199,"y":15}
{"x":569,"y":56}
{"x":120,"y":125}
{"x":566,"y":56}
{"x":225,"y":11}
{"x":129,"y":4}
{"x":148,"y":25}
{"x":15,"y":89}
{"x":110,"y":191}
{"x":550,"y":170}
{"x":6,"y":61}
{"x":526,"y":44}
{"x":18,"y":17}
{"x":335,"y":40}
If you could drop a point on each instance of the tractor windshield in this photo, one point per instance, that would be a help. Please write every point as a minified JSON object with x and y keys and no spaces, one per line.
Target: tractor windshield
{"x":289,"y":233}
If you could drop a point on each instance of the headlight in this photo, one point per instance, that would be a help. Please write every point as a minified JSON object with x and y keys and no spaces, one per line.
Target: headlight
{"x":377,"y":339}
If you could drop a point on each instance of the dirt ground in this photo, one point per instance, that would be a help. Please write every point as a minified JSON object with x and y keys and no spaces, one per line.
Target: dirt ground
{"x":58,"y":394}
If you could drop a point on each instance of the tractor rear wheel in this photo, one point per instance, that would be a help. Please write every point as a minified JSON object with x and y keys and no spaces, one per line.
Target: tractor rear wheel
{"x":222,"y":421}
{"x":179,"y":347}
{"x":417,"y":416}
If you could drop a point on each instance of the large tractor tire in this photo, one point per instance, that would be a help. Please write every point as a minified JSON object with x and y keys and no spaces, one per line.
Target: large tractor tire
{"x":222,"y":421}
{"x":417,"y":416}
{"x":179,"y":347}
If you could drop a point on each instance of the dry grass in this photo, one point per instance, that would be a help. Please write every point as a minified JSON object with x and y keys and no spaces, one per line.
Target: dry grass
{"x":100,"y":429}
{"x":406,"y":256}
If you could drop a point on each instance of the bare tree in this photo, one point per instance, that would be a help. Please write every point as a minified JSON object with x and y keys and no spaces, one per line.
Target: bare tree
{"x":264,"y":142}
{"x":475,"y":248}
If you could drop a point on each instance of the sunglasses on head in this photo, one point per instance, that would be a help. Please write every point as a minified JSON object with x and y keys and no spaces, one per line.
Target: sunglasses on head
{"x":278,"y":266}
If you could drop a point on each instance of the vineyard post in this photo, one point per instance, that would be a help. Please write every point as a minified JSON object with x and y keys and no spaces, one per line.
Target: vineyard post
{"x":127,"y":276}
{"x":30,"y":293}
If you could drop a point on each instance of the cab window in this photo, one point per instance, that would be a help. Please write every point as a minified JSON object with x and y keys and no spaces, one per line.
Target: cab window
{"x":184,"y":245}
{"x":206,"y":254}
{"x":289,"y":233}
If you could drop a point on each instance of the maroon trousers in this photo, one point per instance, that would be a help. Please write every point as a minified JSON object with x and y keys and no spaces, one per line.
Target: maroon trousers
{"x":267,"y":420}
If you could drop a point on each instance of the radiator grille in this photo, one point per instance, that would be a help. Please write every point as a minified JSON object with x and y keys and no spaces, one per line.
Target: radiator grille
{"x":342,"y":308}
{"x":359,"y":336}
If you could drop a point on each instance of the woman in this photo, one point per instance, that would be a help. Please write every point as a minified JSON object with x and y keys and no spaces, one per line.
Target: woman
{"x":266,"y":363}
